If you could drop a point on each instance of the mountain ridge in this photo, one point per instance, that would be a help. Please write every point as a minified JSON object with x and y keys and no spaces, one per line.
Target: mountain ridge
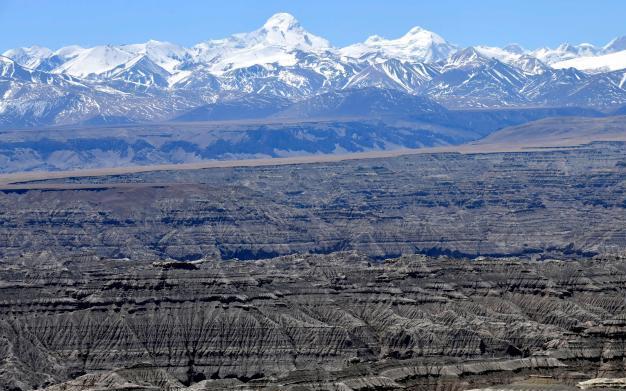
{"x":284,"y":30}
{"x":157,"y":81}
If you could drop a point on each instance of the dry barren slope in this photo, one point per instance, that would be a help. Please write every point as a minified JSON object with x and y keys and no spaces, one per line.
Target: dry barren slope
{"x":333,"y":322}
{"x":560,"y":201}
{"x":555,"y":133}
{"x":562,"y":131}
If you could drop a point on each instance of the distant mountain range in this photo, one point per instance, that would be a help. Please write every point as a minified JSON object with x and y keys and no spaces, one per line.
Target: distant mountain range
{"x":335,"y":122}
{"x":283,"y":70}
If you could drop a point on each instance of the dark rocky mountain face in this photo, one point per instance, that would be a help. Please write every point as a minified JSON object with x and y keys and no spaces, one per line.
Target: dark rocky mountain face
{"x":239,"y":107}
{"x":337,"y":322}
{"x":365,"y":103}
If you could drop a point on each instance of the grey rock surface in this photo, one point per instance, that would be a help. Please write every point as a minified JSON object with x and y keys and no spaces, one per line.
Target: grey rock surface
{"x":338,"y":322}
{"x":569,"y":202}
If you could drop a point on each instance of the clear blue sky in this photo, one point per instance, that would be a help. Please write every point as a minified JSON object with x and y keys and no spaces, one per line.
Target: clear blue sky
{"x":532,"y":23}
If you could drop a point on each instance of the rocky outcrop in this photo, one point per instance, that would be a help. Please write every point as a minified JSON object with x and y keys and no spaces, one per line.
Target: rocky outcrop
{"x":338,"y":321}
{"x":603,"y":383}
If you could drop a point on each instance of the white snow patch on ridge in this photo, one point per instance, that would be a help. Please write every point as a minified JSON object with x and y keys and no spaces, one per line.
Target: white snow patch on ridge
{"x":608,"y":62}
{"x":417,"y":45}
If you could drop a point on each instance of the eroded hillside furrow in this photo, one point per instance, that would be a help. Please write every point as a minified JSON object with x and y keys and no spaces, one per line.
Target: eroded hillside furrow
{"x":570,"y":202}
{"x":338,"y":321}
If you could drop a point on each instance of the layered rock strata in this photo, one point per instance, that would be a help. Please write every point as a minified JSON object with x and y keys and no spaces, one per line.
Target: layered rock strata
{"x":569,"y":202}
{"x":338,"y":321}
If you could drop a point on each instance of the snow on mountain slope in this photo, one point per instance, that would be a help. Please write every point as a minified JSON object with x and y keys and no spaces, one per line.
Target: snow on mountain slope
{"x":94,"y":61}
{"x":282,"y":41}
{"x":530,"y":65}
{"x":394,"y":74}
{"x":15,"y":73}
{"x":140,"y":72}
{"x":281,"y":61}
{"x":67,"y":53}
{"x":605,"y":63}
{"x":165,"y":54}
{"x":9,"y":69}
{"x":418,"y":45}
{"x":514,"y":55}
{"x":276,"y":42}
{"x":565,"y":52}
{"x":622,"y":81}
{"x":470,"y":79}
{"x":508,"y":54}
{"x":466,"y":58}
{"x":30,"y":57}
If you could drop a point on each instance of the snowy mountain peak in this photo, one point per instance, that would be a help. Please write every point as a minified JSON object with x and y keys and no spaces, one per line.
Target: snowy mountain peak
{"x":30,"y":57}
{"x":167,"y":55}
{"x":530,"y":65}
{"x":418,"y":44}
{"x":566,"y":47}
{"x":95,"y":61}
{"x":285,"y":31}
{"x":281,"y":21}
{"x":276,"y":42}
{"x":508,"y":54}
{"x":467,"y":57}
{"x":587,"y":49}
{"x":69,"y":51}
{"x":595,"y":64}
{"x":564,"y":52}
{"x":142,"y":61}
{"x":514,"y":49}
{"x":422,"y":36}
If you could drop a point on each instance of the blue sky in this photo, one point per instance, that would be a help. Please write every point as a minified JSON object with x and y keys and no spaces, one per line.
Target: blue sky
{"x":532,"y":23}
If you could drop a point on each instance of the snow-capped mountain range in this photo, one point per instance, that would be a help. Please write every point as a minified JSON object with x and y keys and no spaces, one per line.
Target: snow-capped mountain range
{"x":284,"y":63}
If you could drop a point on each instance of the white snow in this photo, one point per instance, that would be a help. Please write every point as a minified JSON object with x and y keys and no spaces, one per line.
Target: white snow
{"x":417,"y":45}
{"x":94,"y":61}
{"x":500,"y":54}
{"x":283,"y":41}
{"x":166,"y":55}
{"x":29,"y":57}
{"x":275,"y":42}
{"x":68,"y":52}
{"x":607,"y":62}
{"x":565,"y":52}
{"x":7,"y":67}
{"x":177,"y":77}
{"x":464,"y":58}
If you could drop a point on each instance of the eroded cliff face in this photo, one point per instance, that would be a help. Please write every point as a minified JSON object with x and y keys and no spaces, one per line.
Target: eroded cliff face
{"x":553,"y":203}
{"x":337,"y":322}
